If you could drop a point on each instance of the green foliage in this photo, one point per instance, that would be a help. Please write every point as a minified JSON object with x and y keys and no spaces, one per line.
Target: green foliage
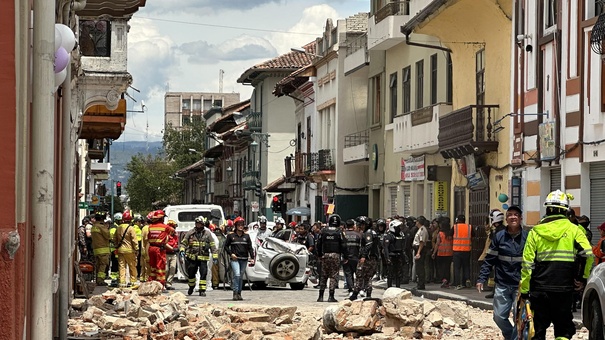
{"x":151,"y":185}
{"x":178,"y":142}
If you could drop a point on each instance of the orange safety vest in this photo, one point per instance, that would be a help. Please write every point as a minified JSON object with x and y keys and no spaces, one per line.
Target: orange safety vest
{"x":158,"y":234}
{"x":598,"y":254}
{"x":445,"y":245}
{"x":462,"y":237}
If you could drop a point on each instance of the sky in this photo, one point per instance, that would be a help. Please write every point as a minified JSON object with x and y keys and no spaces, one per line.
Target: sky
{"x":181,"y":46}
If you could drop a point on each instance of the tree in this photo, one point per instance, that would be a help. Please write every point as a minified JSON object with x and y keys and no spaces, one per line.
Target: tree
{"x":177,"y":143}
{"x":151,"y":182}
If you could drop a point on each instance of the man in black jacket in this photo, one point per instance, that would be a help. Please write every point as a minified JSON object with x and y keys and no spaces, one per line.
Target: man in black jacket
{"x":239,"y":247}
{"x":353,"y":243}
{"x":330,"y":248}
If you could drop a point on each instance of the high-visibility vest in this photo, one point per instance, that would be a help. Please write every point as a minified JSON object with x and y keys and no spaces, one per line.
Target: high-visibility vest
{"x":598,"y":254}
{"x":462,"y":237}
{"x":445,"y":245}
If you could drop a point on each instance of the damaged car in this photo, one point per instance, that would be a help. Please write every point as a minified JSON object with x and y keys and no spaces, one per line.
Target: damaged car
{"x":278,"y":263}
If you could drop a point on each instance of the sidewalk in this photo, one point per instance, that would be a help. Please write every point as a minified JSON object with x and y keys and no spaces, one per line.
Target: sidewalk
{"x":471,"y":296}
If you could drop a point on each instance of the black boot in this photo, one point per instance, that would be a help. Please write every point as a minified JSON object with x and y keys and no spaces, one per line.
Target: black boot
{"x":321,"y":295}
{"x":331,"y":297}
{"x":190,"y":291}
{"x":235,"y":298}
{"x":239,"y":296}
{"x":353,"y":296}
{"x":202,"y":293}
{"x":368,"y":295}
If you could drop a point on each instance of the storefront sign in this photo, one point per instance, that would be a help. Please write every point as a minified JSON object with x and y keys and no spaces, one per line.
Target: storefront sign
{"x":440,"y":198}
{"x":476,"y":180}
{"x":412,"y":169}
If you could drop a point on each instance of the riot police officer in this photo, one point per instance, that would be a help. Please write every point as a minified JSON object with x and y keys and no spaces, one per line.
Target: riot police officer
{"x":368,"y":260}
{"x":353,"y":243}
{"x":394,"y":243}
{"x":330,"y":248}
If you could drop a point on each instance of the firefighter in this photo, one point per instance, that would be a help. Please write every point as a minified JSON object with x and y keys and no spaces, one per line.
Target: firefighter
{"x":100,"y":247}
{"x":114,"y":272}
{"x":157,"y":237}
{"x":137,"y":224}
{"x":125,"y":239}
{"x":195,"y":248}
{"x":145,"y":268}
{"x":172,"y":247}
{"x":548,"y":274}
{"x":330,"y":248}
{"x":394,"y":244}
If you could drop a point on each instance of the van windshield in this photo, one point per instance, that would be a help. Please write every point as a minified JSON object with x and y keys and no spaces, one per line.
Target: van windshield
{"x":189,"y":216}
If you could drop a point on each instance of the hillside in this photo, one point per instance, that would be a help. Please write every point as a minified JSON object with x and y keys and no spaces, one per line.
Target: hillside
{"x":122,"y":152}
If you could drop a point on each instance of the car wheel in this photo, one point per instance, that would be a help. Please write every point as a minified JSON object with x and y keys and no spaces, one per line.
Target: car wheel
{"x":297,"y":286}
{"x":596,"y":325}
{"x":284,"y":267}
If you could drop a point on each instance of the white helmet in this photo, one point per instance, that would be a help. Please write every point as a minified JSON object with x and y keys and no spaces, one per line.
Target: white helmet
{"x":280,"y":220}
{"x":262,"y":219}
{"x":395,"y":224}
{"x":558,"y":199}
{"x":497,"y":216}
{"x":117,"y":216}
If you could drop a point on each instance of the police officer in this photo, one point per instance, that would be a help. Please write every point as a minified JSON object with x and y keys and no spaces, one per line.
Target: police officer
{"x":368,"y":261}
{"x":353,"y":243}
{"x":394,"y":243}
{"x":381,"y":228}
{"x":330,"y":248}
{"x":548,"y":273}
{"x":408,"y":231}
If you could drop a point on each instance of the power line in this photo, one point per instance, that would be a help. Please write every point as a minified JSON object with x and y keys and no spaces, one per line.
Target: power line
{"x":225,"y":26}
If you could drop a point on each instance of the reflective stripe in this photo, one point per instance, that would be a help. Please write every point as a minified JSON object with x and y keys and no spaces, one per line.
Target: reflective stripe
{"x":445,"y":245}
{"x":528,"y":265}
{"x":101,"y":251}
{"x":556,"y":255}
{"x":510,"y":258}
{"x":462,"y":237}
{"x":492,"y":252}
{"x":585,"y":253}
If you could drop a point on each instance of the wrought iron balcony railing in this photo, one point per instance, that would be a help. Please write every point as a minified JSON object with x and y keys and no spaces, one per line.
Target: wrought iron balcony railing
{"x":357,"y":138}
{"x":250,"y":179}
{"x":255,"y":121}
{"x":392,"y":8}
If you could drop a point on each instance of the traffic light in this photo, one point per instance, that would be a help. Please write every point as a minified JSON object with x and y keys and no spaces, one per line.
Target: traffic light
{"x":257,"y":189}
{"x":118,"y":188}
{"x":276,"y":204}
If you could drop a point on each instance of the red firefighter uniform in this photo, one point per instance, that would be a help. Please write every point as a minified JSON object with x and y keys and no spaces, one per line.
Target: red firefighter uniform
{"x":157,"y":238}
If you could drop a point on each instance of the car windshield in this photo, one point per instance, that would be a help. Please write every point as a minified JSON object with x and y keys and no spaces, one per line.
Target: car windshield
{"x":190,"y":216}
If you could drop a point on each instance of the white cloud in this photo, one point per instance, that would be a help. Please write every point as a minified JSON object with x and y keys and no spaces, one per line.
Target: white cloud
{"x":244,"y":47}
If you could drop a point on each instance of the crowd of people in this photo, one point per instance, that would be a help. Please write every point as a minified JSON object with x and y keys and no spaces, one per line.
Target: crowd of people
{"x":547,"y":264}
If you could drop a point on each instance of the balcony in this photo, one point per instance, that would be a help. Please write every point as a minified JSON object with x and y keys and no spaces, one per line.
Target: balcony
{"x":115,"y":8}
{"x":250,"y":179}
{"x":255,"y":121}
{"x":296,"y":167}
{"x":96,"y":149}
{"x":467,"y":131}
{"x":356,"y":148}
{"x":417,"y":131}
{"x":384,"y":29}
{"x":99,"y":121}
{"x":100,"y":171}
{"x":357,"y":54}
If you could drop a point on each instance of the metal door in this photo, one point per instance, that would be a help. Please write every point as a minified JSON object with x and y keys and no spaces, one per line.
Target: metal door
{"x":478,"y":213}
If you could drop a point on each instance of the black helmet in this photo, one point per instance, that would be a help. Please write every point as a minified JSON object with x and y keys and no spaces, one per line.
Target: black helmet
{"x":334,"y":220}
{"x":381,"y":222}
{"x":362,"y":220}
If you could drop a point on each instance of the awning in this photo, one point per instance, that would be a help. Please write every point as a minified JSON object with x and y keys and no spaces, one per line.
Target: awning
{"x":215,"y":151}
{"x":280,"y":185}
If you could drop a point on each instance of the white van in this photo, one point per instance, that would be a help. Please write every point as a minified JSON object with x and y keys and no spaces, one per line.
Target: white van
{"x":184,"y":216}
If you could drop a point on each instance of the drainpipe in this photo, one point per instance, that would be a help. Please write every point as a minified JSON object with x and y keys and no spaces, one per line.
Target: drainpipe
{"x":42,"y":172}
{"x":411,"y":43}
{"x":67,"y":207}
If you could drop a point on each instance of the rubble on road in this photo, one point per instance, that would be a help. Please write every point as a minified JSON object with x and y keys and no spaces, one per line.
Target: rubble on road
{"x":125,"y":314}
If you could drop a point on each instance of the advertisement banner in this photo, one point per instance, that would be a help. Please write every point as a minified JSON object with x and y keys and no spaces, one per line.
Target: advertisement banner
{"x":440,"y":198}
{"x":413,"y":169}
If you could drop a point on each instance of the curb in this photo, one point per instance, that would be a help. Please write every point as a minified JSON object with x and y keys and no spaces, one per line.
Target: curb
{"x":427,"y":294}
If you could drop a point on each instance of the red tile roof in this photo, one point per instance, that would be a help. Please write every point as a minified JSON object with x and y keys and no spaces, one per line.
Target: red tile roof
{"x":287,"y":62}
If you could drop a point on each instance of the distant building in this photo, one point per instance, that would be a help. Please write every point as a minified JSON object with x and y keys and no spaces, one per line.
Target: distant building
{"x":182,"y":108}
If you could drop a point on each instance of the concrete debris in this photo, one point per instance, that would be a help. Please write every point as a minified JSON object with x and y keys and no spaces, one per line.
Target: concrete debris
{"x":126,"y":314}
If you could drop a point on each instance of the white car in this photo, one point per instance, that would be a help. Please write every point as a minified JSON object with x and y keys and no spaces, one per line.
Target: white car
{"x":593,"y":303}
{"x":278,"y":263}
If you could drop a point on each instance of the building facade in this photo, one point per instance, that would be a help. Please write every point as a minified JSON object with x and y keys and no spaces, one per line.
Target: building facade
{"x":182,"y":108}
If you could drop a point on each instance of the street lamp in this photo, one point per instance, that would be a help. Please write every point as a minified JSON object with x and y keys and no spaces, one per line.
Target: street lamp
{"x":253,"y":146}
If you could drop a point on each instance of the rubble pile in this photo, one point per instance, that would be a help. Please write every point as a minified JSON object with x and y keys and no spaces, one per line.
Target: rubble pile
{"x":395,"y":316}
{"x":147,"y":314}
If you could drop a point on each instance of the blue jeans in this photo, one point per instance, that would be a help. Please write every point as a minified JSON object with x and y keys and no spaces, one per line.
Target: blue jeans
{"x":238,"y":267}
{"x":504,"y":300}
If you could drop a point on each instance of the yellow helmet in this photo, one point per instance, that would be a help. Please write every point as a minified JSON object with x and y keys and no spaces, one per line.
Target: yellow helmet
{"x":171,"y":223}
{"x":558,"y":199}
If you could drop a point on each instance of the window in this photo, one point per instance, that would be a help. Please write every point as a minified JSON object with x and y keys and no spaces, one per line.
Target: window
{"x":434,"y":79}
{"x":186,"y":120}
{"x":393,"y":95}
{"x":197,"y":104}
{"x":407,"y":89}
{"x":95,"y":38}
{"x":480,"y":76}
{"x":334,"y":37}
{"x":449,"y":80}
{"x":186,"y":104}
{"x":207,"y":104}
{"x":218,"y":103}
{"x":550,"y":13}
{"x":196,"y":119}
{"x":419,"y":84}
{"x":376,"y":93}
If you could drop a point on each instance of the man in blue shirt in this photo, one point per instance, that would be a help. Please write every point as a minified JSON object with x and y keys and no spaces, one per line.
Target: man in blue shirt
{"x":505,"y":254}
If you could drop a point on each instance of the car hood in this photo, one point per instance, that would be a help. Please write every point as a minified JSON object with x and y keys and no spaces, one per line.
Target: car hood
{"x":285,"y":247}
